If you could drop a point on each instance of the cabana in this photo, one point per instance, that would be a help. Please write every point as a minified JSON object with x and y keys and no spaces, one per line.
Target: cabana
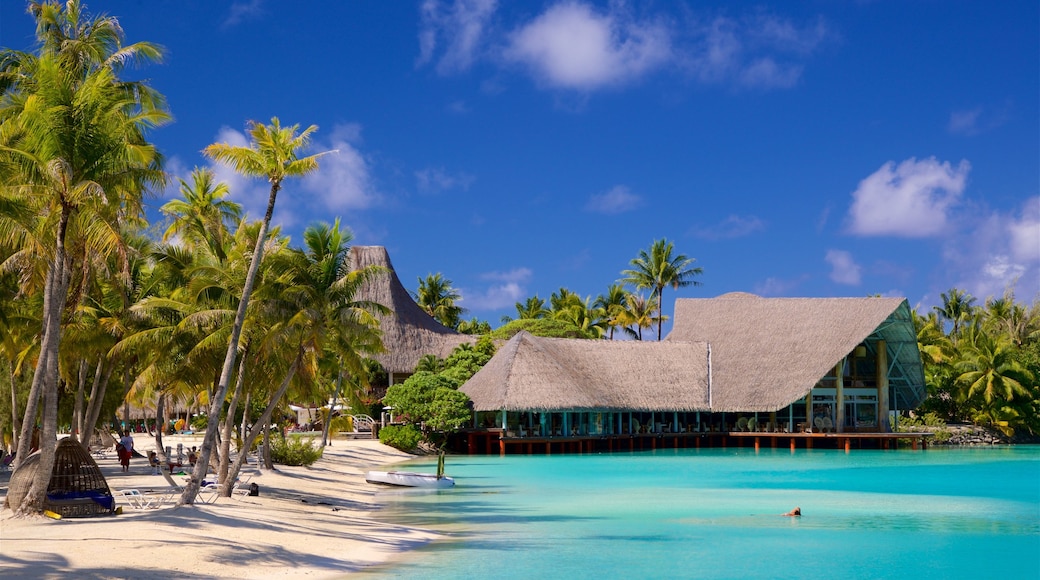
{"x":77,"y":487}
{"x":736,"y":363}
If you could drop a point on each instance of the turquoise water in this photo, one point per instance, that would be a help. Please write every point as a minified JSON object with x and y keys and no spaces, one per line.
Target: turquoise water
{"x":940,"y":513}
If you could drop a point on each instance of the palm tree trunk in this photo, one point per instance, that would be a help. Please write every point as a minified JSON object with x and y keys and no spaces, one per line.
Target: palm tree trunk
{"x":47,"y":374}
{"x":97,"y":395}
{"x":160,"y":407}
{"x":332,"y":406}
{"x":77,"y":411}
{"x":32,"y":404}
{"x":660,"y":311}
{"x":191,"y":490}
{"x":229,"y":421}
{"x":16,"y":423}
{"x":247,"y":442}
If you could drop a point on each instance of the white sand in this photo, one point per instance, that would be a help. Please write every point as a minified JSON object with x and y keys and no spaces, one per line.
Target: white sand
{"x":307,"y":521}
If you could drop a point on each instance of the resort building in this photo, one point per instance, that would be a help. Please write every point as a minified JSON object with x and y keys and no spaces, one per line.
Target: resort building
{"x":737,"y":369}
{"x":409,"y":332}
{"x":734,"y":368}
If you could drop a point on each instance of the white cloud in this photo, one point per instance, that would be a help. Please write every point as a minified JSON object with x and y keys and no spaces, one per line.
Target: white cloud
{"x":618,"y":200}
{"x":909,"y":200}
{"x":964,"y":122}
{"x":577,"y":46}
{"x":460,"y":28}
{"x":343,"y":180}
{"x":978,"y":120}
{"x":241,"y":11}
{"x":437,"y":179}
{"x":844,"y":270}
{"x":573,"y":46}
{"x":758,"y":52}
{"x":1025,"y":233}
{"x":995,"y":252}
{"x":734,"y":226}
{"x":506,"y":289}
{"x":779,"y":286}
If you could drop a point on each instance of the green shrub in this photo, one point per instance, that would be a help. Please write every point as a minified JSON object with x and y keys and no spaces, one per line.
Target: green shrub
{"x":403,"y":437}
{"x":199,"y":422}
{"x":294,"y":450}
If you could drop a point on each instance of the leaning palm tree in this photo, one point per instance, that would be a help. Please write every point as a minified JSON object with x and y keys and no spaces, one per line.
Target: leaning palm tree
{"x":657,"y":268}
{"x":273,"y":154}
{"x":613,"y":304}
{"x":639,"y":313}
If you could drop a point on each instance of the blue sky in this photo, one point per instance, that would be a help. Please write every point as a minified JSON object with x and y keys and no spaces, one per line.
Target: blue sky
{"x":816,"y":148}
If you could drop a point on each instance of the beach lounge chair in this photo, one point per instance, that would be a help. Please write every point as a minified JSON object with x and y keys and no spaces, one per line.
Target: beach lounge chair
{"x":133,"y":498}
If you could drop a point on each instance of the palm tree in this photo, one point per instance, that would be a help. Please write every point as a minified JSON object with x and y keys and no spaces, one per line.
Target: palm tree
{"x":75,"y":134}
{"x":639,"y":313}
{"x":957,"y":307}
{"x":203,"y":216}
{"x":273,"y":153}
{"x":990,"y":369}
{"x":531,"y":309}
{"x":656,"y":268}
{"x":314,"y":299}
{"x":436,"y":296}
{"x":613,"y":304}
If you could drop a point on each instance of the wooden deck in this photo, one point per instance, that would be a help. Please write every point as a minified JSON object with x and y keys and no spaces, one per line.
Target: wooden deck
{"x":495,"y":441}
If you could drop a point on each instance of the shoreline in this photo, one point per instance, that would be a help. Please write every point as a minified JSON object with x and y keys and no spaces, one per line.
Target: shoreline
{"x":317,"y":521}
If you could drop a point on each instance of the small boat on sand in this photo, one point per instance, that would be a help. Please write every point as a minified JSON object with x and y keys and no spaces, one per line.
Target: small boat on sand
{"x":409,"y":479}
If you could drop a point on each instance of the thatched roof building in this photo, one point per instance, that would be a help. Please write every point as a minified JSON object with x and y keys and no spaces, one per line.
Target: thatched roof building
{"x":768,"y":352}
{"x":734,"y":353}
{"x":409,"y":333}
{"x":560,"y":374}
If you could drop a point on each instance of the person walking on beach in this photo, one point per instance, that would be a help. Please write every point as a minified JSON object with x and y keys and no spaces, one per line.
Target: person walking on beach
{"x":125,"y":448}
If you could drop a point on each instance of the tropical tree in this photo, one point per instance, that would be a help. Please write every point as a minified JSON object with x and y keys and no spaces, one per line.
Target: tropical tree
{"x":990,"y":370}
{"x":613,"y":305}
{"x":531,"y":309}
{"x":957,"y":307}
{"x":73,"y":133}
{"x":273,"y":153}
{"x":657,"y":268}
{"x":203,"y":216}
{"x":437,"y":297}
{"x":639,"y":313}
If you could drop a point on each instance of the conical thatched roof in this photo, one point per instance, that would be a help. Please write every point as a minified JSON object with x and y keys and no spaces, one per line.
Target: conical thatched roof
{"x":769,"y":352}
{"x":550,"y":374}
{"x":408,"y":333}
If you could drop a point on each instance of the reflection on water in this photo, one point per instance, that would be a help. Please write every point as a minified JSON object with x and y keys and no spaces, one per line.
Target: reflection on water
{"x":962,"y":513}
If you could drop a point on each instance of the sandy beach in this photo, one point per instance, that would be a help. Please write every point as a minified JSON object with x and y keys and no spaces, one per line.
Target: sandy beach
{"x":313,"y":521}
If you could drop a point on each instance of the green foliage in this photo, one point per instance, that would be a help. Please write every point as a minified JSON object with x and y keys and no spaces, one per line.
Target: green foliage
{"x":403,"y":437}
{"x":294,"y":450}
{"x":199,"y":422}
{"x":548,"y":327}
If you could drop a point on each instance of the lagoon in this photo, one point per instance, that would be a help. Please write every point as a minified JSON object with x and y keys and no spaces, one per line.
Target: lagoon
{"x":939,"y":513}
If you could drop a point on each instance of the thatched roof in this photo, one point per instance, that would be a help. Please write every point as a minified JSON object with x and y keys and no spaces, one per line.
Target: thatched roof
{"x":408,"y":333}
{"x":769,"y":352}
{"x":551,"y":374}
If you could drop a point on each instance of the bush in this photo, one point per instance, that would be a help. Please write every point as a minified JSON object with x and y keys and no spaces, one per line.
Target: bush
{"x":199,"y":422}
{"x":294,"y":450}
{"x":403,"y":437}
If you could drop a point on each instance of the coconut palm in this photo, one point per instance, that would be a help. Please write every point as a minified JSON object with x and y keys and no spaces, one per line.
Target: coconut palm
{"x":274,"y":154}
{"x":989,"y":369}
{"x":75,"y":135}
{"x":203,"y":216}
{"x":437,"y":297}
{"x":317,"y":313}
{"x":531,"y":309}
{"x":656,"y":268}
{"x":613,"y":304}
{"x":639,"y":313}
{"x":957,"y":307}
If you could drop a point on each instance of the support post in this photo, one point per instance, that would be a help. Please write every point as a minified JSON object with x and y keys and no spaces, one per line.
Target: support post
{"x":882,"y":387}
{"x":839,"y":396}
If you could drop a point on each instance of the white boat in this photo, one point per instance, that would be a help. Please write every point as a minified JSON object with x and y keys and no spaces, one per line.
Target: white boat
{"x":409,"y":479}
